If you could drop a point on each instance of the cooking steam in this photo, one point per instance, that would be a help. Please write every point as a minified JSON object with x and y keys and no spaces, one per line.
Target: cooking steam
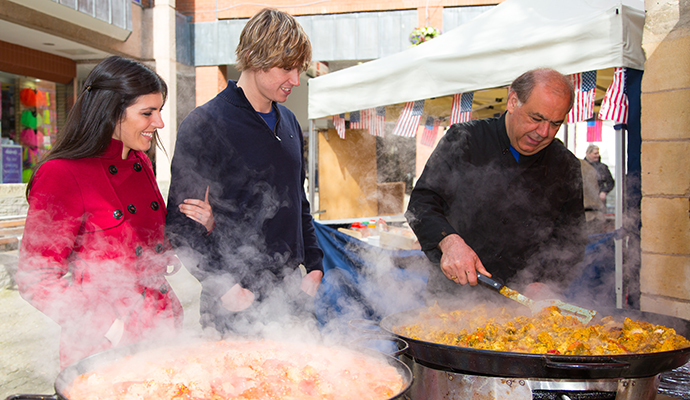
{"x":550,"y":262}
{"x":380,"y":288}
{"x":282,"y":312}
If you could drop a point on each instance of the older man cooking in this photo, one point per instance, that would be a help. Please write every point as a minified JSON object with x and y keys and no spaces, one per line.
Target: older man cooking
{"x":501,"y":197}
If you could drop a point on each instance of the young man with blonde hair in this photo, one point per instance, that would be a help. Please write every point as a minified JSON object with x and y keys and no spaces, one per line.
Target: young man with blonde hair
{"x":242,"y":153}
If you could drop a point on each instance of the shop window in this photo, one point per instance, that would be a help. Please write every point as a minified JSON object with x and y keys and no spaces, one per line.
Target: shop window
{"x":37,"y":121}
{"x":7,"y":110}
{"x":33,"y":110}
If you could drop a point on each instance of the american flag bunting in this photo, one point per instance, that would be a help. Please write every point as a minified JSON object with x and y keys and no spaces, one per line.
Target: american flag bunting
{"x":378,"y":121}
{"x":461,"y":110}
{"x":372,"y":119}
{"x":356,"y":121}
{"x":339,"y":123}
{"x":430,"y":132}
{"x":585,"y":87}
{"x":614,"y":107}
{"x":409,"y":119}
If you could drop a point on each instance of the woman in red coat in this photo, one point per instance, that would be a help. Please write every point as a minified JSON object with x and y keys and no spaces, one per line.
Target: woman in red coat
{"x":94,"y":255}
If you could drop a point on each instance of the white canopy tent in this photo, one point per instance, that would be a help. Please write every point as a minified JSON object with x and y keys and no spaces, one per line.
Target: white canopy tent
{"x":490,"y":51}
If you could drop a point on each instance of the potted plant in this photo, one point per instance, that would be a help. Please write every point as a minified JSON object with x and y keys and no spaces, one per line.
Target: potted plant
{"x":421,"y":35}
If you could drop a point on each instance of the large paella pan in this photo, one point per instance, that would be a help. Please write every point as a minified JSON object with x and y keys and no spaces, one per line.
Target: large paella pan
{"x":228,"y":370}
{"x":549,"y":365}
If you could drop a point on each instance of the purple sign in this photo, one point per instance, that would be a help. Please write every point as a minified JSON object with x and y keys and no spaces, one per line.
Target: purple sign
{"x":11,"y":164}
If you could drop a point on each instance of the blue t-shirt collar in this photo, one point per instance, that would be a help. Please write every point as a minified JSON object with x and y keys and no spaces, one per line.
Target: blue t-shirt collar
{"x":270,"y":117}
{"x":515,"y":153}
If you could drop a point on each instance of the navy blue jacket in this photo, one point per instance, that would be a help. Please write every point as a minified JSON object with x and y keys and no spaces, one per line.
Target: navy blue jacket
{"x":256,"y":177}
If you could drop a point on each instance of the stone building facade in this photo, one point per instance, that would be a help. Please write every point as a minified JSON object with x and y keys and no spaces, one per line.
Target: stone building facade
{"x":665,"y":234}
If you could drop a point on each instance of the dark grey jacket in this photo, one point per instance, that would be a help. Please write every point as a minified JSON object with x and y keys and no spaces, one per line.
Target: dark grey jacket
{"x":604,"y":178}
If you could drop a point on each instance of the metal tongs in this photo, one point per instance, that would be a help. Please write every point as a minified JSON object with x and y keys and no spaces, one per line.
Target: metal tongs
{"x":582,"y":314}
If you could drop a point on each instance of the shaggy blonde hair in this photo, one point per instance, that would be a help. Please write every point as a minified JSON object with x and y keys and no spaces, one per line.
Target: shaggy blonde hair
{"x":270,"y":39}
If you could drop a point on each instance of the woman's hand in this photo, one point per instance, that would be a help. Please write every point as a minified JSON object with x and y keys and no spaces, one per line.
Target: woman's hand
{"x":199,"y":211}
{"x":237,"y":298}
{"x":114,"y":334}
{"x":311,"y":281}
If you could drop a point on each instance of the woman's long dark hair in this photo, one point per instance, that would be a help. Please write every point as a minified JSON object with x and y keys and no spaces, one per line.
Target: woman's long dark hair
{"x":113,"y":85}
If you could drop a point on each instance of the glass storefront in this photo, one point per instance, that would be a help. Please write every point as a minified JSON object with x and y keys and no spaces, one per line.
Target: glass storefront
{"x":30,"y":111}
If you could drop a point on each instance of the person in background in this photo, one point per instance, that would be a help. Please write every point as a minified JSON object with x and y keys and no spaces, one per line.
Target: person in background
{"x":604,"y":177}
{"x":594,"y":207}
{"x":94,"y":254}
{"x":237,"y":211}
{"x":500,"y":197}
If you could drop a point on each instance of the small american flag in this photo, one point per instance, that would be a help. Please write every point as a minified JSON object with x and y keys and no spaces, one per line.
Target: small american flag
{"x":356,"y":121}
{"x":375,"y":120}
{"x":430,"y":132}
{"x":409,"y":119}
{"x":594,"y":130}
{"x":614,"y":107}
{"x":461,"y":110}
{"x":585,"y":87}
{"x":339,"y":123}
{"x":378,"y":125}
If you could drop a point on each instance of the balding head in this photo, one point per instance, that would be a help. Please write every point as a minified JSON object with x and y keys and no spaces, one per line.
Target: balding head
{"x":560,"y":84}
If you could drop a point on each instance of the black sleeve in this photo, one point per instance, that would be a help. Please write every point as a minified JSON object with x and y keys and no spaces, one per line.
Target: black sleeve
{"x":191,"y":174}
{"x":429,"y":201}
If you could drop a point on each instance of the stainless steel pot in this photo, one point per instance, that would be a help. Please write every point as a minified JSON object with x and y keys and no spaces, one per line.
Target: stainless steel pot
{"x":434,"y":384}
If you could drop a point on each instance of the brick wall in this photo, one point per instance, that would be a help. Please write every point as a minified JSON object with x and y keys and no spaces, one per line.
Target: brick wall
{"x":209,"y":82}
{"x":37,"y":64}
{"x":432,"y":16}
{"x":205,"y":10}
{"x":665,"y":264}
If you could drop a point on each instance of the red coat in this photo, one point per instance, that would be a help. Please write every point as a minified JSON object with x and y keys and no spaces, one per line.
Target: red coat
{"x":94,"y":250}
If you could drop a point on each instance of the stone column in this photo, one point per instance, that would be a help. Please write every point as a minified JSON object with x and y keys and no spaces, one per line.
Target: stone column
{"x":665,"y":235}
{"x":164,"y":54}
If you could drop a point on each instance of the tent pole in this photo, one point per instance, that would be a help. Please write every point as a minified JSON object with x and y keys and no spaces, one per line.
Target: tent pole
{"x":312,"y":164}
{"x":565,"y":136}
{"x":620,"y":184}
